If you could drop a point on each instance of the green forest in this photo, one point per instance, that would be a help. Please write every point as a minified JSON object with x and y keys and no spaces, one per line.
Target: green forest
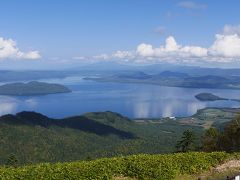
{"x":31,"y":137}
{"x":107,"y":145}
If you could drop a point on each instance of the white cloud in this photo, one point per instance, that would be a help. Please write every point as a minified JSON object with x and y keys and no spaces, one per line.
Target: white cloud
{"x":145,"y":50}
{"x":191,"y":5}
{"x":171,"y":49}
{"x":123,"y":54}
{"x":79,"y":57}
{"x":101,"y":56}
{"x":231,"y":29}
{"x":9,"y":50}
{"x":28,"y":55}
{"x":227,"y":46}
{"x":224,"y":49}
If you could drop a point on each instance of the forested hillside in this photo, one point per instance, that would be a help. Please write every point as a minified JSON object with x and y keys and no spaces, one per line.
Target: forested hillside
{"x":32,"y":137}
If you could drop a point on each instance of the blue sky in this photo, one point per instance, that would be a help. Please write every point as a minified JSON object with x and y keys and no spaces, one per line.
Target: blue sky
{"x":80,"y":31}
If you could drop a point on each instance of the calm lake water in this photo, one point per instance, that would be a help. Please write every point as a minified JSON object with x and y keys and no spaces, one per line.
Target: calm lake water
{"x":132,"y":100}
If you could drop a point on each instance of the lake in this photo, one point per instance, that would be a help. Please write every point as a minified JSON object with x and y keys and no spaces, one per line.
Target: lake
{"x":131,"y":100}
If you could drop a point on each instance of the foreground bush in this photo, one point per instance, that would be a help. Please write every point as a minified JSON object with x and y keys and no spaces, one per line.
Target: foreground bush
{"x":143,"y":166}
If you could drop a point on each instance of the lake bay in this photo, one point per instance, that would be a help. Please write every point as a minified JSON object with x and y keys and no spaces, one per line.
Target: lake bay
{"x":131,"y":100}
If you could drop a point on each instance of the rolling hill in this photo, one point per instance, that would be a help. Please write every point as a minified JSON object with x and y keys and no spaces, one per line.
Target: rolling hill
{"x":34,"y":138}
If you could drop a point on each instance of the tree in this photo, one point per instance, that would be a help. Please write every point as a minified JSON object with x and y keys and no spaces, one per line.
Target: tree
{"x":210,"y":140}
{"x":230,"y":138}
{"x":88,"y":158}
{"x":12,"y":161}
{"x":187,"y":142}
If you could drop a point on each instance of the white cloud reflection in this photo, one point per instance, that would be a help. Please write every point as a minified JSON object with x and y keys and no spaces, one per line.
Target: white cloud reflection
{"x":31,"y":103}
{"x":8,"y":105}
{"x":142,"y":109}
{"x":70,"y":80}
{"x":194,"y":106}
{"x":11,"y":105}
{"x":152,"y":104}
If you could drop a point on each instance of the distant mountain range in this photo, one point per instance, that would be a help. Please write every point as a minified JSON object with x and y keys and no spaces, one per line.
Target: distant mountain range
{"x":32,"y":88}
{"x":111,"y":68}
{"x":174,"y":79}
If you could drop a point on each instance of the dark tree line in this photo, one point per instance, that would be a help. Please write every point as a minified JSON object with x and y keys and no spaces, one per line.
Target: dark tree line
{"x":213,"y":139}
{"x":227,"y":140}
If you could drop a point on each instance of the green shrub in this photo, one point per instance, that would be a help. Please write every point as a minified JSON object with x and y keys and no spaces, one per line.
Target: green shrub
{"x":140,"y":166}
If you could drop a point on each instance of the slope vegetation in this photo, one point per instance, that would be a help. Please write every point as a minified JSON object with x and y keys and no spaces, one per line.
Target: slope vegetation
{"x":168,"y":166}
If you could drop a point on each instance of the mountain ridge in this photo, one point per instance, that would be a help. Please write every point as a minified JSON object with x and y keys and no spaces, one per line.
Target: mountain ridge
{"x":75,"y":122}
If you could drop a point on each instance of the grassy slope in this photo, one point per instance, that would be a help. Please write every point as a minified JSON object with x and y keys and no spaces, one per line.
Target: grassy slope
{"x":168,"y":166}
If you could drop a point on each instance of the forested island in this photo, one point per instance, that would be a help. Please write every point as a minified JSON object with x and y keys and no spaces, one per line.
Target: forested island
{"x":208,"y":97}
{"x":32,"y":88}
{"x":212,"y":97}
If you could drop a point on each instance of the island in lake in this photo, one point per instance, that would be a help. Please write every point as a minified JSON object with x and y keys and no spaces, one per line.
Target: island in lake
{"x":212,"y":97}
{"x":32,"y":88}
{"x":208,"y":97}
